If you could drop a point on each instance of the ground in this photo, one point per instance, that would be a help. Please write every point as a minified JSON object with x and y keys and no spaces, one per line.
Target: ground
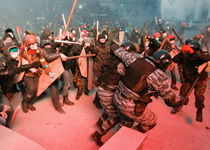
{"x":71,"y":131}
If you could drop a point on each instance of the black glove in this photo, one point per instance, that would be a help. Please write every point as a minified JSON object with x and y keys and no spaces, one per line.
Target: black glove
{"x":35,"y":64}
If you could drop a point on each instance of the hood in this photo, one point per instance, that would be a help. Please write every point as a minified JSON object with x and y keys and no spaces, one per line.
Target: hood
{"x":46,"y":33}
{"x":8,"y":46}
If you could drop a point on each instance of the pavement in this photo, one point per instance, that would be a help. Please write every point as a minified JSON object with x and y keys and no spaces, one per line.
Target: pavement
{"x":71,"y":131}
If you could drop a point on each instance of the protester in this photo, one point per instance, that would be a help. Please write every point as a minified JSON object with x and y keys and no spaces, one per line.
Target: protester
{"x":205,"y":39}
{"x":173,"y":50}
{"x":191,"y":58}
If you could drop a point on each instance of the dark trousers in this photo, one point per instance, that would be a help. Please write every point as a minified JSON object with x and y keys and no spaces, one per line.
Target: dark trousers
{"x":54,"y":93}
{"x":173,"y":76}
{"x":31,"y":85}
{"x":66,"y":82}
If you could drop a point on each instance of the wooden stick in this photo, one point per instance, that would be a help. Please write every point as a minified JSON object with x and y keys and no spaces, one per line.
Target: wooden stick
{"x":97,"y":27}
{"x":88,"y":55}
{"x":21,"y":42}
{"x":64,"y":20}
{"x":60,"y":34}
{"x":18,"y":32}
{"x":14,"y":115}
{"x":177,"y":36}
{"x":67,"y":42}
{"x":70,"y":16}
{"x":165,"y":38}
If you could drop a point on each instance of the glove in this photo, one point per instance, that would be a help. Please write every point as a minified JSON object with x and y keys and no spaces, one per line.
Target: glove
{"x":35,"y":64}
{"x":187,"y":48}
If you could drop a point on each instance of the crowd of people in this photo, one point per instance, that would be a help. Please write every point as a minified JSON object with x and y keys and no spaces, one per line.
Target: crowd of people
{"x":126,"y":75}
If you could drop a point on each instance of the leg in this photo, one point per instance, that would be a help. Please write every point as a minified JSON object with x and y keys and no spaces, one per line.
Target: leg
{"x":81,"y":85}
{"x":65,"y":88}
{"x":9,"y":112}
{"x":103,"y":117}
{"x":55,"y":96}
{"x":86,"y":91}
{"x":96,"y":101}
{"x":144,"y":128}
{"x":185,"y":87}
{"x":70,"y":77}
{"x":106,"y":126}
{"x":22,"y":87}
{"x":180,"y":69}
{"x":31,"y":89}
{"x":66,"y":83}
{"x":146,"y":121}
{"x":173,"y":78}
{"x":200,"y":88}
{"x":34,"y":99}
{"x":109,"y":118}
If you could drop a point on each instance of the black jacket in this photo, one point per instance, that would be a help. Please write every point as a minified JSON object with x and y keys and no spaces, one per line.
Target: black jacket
{"x":190,"y":63}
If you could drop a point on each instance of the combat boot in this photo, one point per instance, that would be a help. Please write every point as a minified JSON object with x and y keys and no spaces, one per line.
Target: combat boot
{"x":79,"y":93}
{"x":199,"y":115}
{"x":96,"y":137}
{"x":67,"y":101}
{"x":24,"y":107}
{"x":31,"y":107}
{"x":86,"y":91}
{"x":60,"y":110}
{"x":103,"y":117}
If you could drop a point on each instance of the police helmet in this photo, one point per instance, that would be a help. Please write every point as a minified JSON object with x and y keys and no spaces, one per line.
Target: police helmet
{"x":129,"y":46}
{"x":162,"y":58}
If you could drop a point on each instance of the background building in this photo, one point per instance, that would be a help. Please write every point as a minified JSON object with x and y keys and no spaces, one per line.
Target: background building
{"x":198,"y":10}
